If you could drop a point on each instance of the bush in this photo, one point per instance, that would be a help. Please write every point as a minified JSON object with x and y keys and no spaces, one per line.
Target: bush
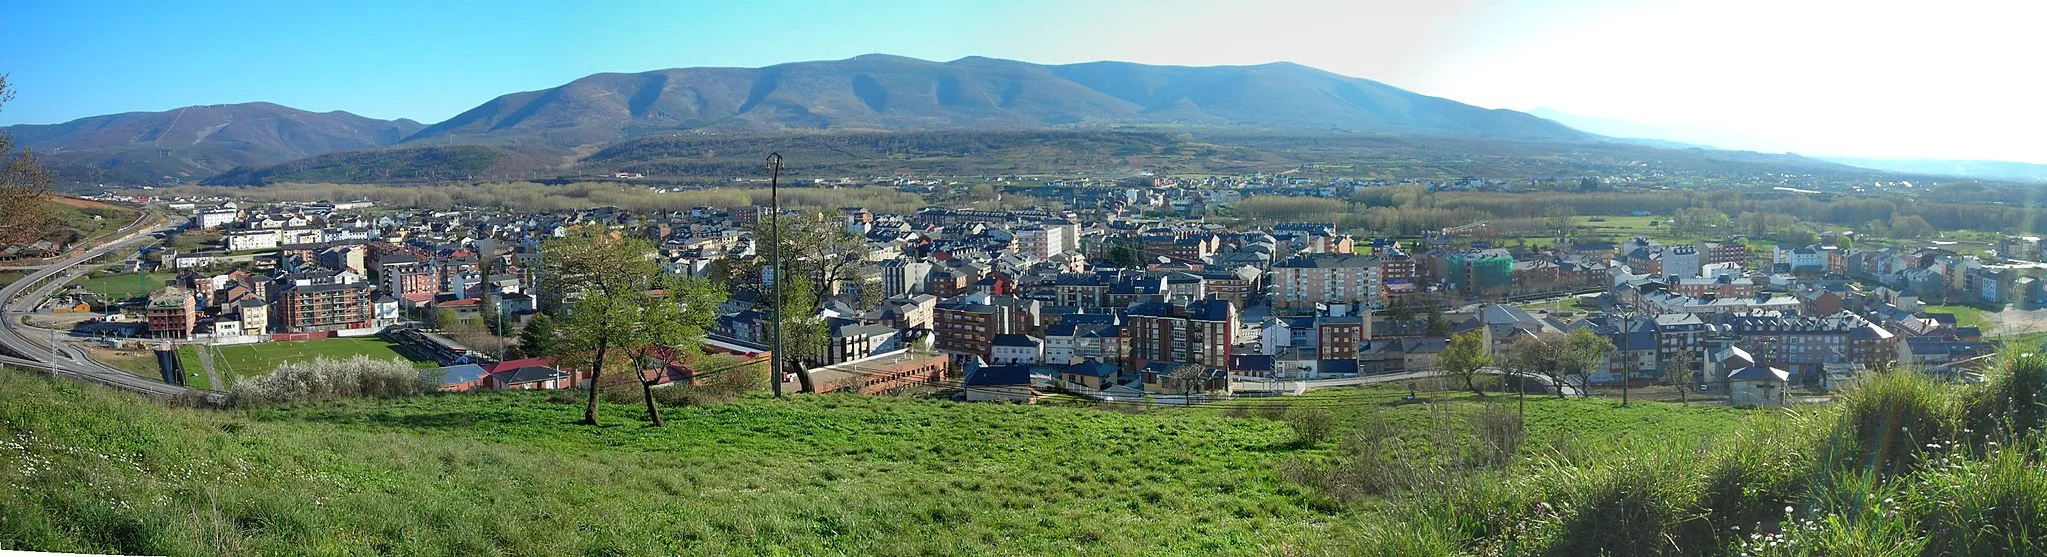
{"x":1311,"y":425}
{"x":329,"y":379}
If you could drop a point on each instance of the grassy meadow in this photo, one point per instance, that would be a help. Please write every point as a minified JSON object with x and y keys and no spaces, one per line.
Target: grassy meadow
{"x":1352,"y":471}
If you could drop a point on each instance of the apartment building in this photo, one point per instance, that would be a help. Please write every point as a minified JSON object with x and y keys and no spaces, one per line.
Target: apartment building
{"x":1200,"y":332}
{"x":1326,"y":278}
{"x":332,"y":306}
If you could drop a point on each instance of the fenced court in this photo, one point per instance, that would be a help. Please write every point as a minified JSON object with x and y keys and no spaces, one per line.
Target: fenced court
{"x":246,"y":360}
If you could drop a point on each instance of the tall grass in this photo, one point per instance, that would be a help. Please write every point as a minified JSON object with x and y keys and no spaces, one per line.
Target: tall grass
{"x":1903,"y":465}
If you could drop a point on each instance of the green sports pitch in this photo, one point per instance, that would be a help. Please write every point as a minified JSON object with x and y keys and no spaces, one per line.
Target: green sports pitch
{"x":249,"y":360}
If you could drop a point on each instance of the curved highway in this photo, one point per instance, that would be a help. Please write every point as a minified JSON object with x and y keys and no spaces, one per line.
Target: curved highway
{"x":34,"y":350}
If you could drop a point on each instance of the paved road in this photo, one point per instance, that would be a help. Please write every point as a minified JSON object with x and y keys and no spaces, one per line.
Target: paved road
{"x":33,"y":349}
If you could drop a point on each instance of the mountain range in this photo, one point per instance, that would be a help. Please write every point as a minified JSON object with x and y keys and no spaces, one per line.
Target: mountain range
{"x":865,"y":93}
{"x":199,"y":141}
{"x":1683,"y":137}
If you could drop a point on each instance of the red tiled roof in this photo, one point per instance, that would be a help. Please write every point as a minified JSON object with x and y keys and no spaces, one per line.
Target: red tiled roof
{"x":516,"y":364}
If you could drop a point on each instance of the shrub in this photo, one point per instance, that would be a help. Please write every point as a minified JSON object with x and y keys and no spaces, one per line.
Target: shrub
{"x":328,"y":379}
{"x":1311,"y":425}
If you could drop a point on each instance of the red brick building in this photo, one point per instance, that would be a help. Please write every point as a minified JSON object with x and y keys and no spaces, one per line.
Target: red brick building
{"x":172,"y":313}
{"x":306,"y":308}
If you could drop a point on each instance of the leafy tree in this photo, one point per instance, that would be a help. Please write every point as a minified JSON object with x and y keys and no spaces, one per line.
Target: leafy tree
{"x":804,"y":335}
{"x":23,"y":187}
{"x":1542,"y":356}
{"x":1125,"y":254}
{"x":624,"y":304}
{"x":539,"y":338}
{"x":982,"y":192}
{"x":1400,"y":311}
{"x":1463,"y":358}
{"x":1583,"y":349}
{"x":815,"y":247}
{"x":1438,"y":325}
{"x":1911,"y":226}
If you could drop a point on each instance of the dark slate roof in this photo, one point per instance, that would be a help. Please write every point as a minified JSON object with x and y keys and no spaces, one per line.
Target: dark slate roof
{"x":1251,"y":362}
{"x":528,"y":374}
{"x":998,"y":376}
{"x":1016,"y":340}
{"x":1327,"y":260}
{"x":1090,"y":368}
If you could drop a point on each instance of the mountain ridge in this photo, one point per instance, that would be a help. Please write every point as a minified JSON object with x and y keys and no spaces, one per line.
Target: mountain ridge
{"x":896,"y":93}
{"x":195,"y":142}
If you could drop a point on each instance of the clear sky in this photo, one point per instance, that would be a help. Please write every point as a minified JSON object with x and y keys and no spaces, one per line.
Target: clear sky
{"x":1882,"y":78}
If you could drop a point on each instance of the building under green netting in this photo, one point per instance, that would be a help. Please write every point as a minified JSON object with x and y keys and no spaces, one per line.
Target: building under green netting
{"x":1479,"y":270}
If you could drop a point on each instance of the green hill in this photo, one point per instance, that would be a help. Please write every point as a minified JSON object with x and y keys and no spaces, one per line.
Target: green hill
{"x":92,"y":470}
{"x":1903,"y":466}
{"x":400,"y":164}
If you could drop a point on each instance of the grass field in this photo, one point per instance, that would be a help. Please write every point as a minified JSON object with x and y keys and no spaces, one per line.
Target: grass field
{"x":1965,"y":316}
{"x":246,"y":360}
{"x":124,"y":286}
{"x":90,"y":470}
{"x":815,"y":475}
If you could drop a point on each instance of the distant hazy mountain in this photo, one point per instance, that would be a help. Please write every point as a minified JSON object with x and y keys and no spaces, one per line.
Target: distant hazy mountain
{"x":1674,"y":136}
{"x":1626,"y":130}
{"x":199,"y":141}
{"x":1986,"y":170}
{"x":879,"y":92}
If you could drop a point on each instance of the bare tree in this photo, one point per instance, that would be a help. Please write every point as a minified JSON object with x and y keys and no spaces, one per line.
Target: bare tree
{"x":1186,"y":379}
{"x":1677,"y":372}
{"x":24,"y":187}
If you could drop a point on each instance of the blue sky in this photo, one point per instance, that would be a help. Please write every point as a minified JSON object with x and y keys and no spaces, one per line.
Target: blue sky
{"x":1952,"y":79}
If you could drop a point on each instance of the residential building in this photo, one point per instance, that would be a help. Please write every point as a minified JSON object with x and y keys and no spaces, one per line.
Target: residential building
{"x":1040,"y":242}
{"x":1200,"y":332}
{"x":1327,"y":278}
{"x":1007,"y":349}
{"x":1682,"y":262}
{"x":903,"y":276}
{"x":1340,"y":337}
{"x":1479,"y":270}
{"x":333,"y":306}
{"x":172,"y":313}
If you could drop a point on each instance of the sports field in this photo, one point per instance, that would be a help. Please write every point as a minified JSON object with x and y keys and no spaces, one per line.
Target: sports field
{"x":247,"y":360}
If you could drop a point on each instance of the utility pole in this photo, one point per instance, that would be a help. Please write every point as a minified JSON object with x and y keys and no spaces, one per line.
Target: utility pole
{"x":54,"y":354}
{"x":1628,"y":363}
{"x":774,"y":273}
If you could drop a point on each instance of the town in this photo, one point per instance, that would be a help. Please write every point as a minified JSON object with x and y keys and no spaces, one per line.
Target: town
{"x":1124,"y":293}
